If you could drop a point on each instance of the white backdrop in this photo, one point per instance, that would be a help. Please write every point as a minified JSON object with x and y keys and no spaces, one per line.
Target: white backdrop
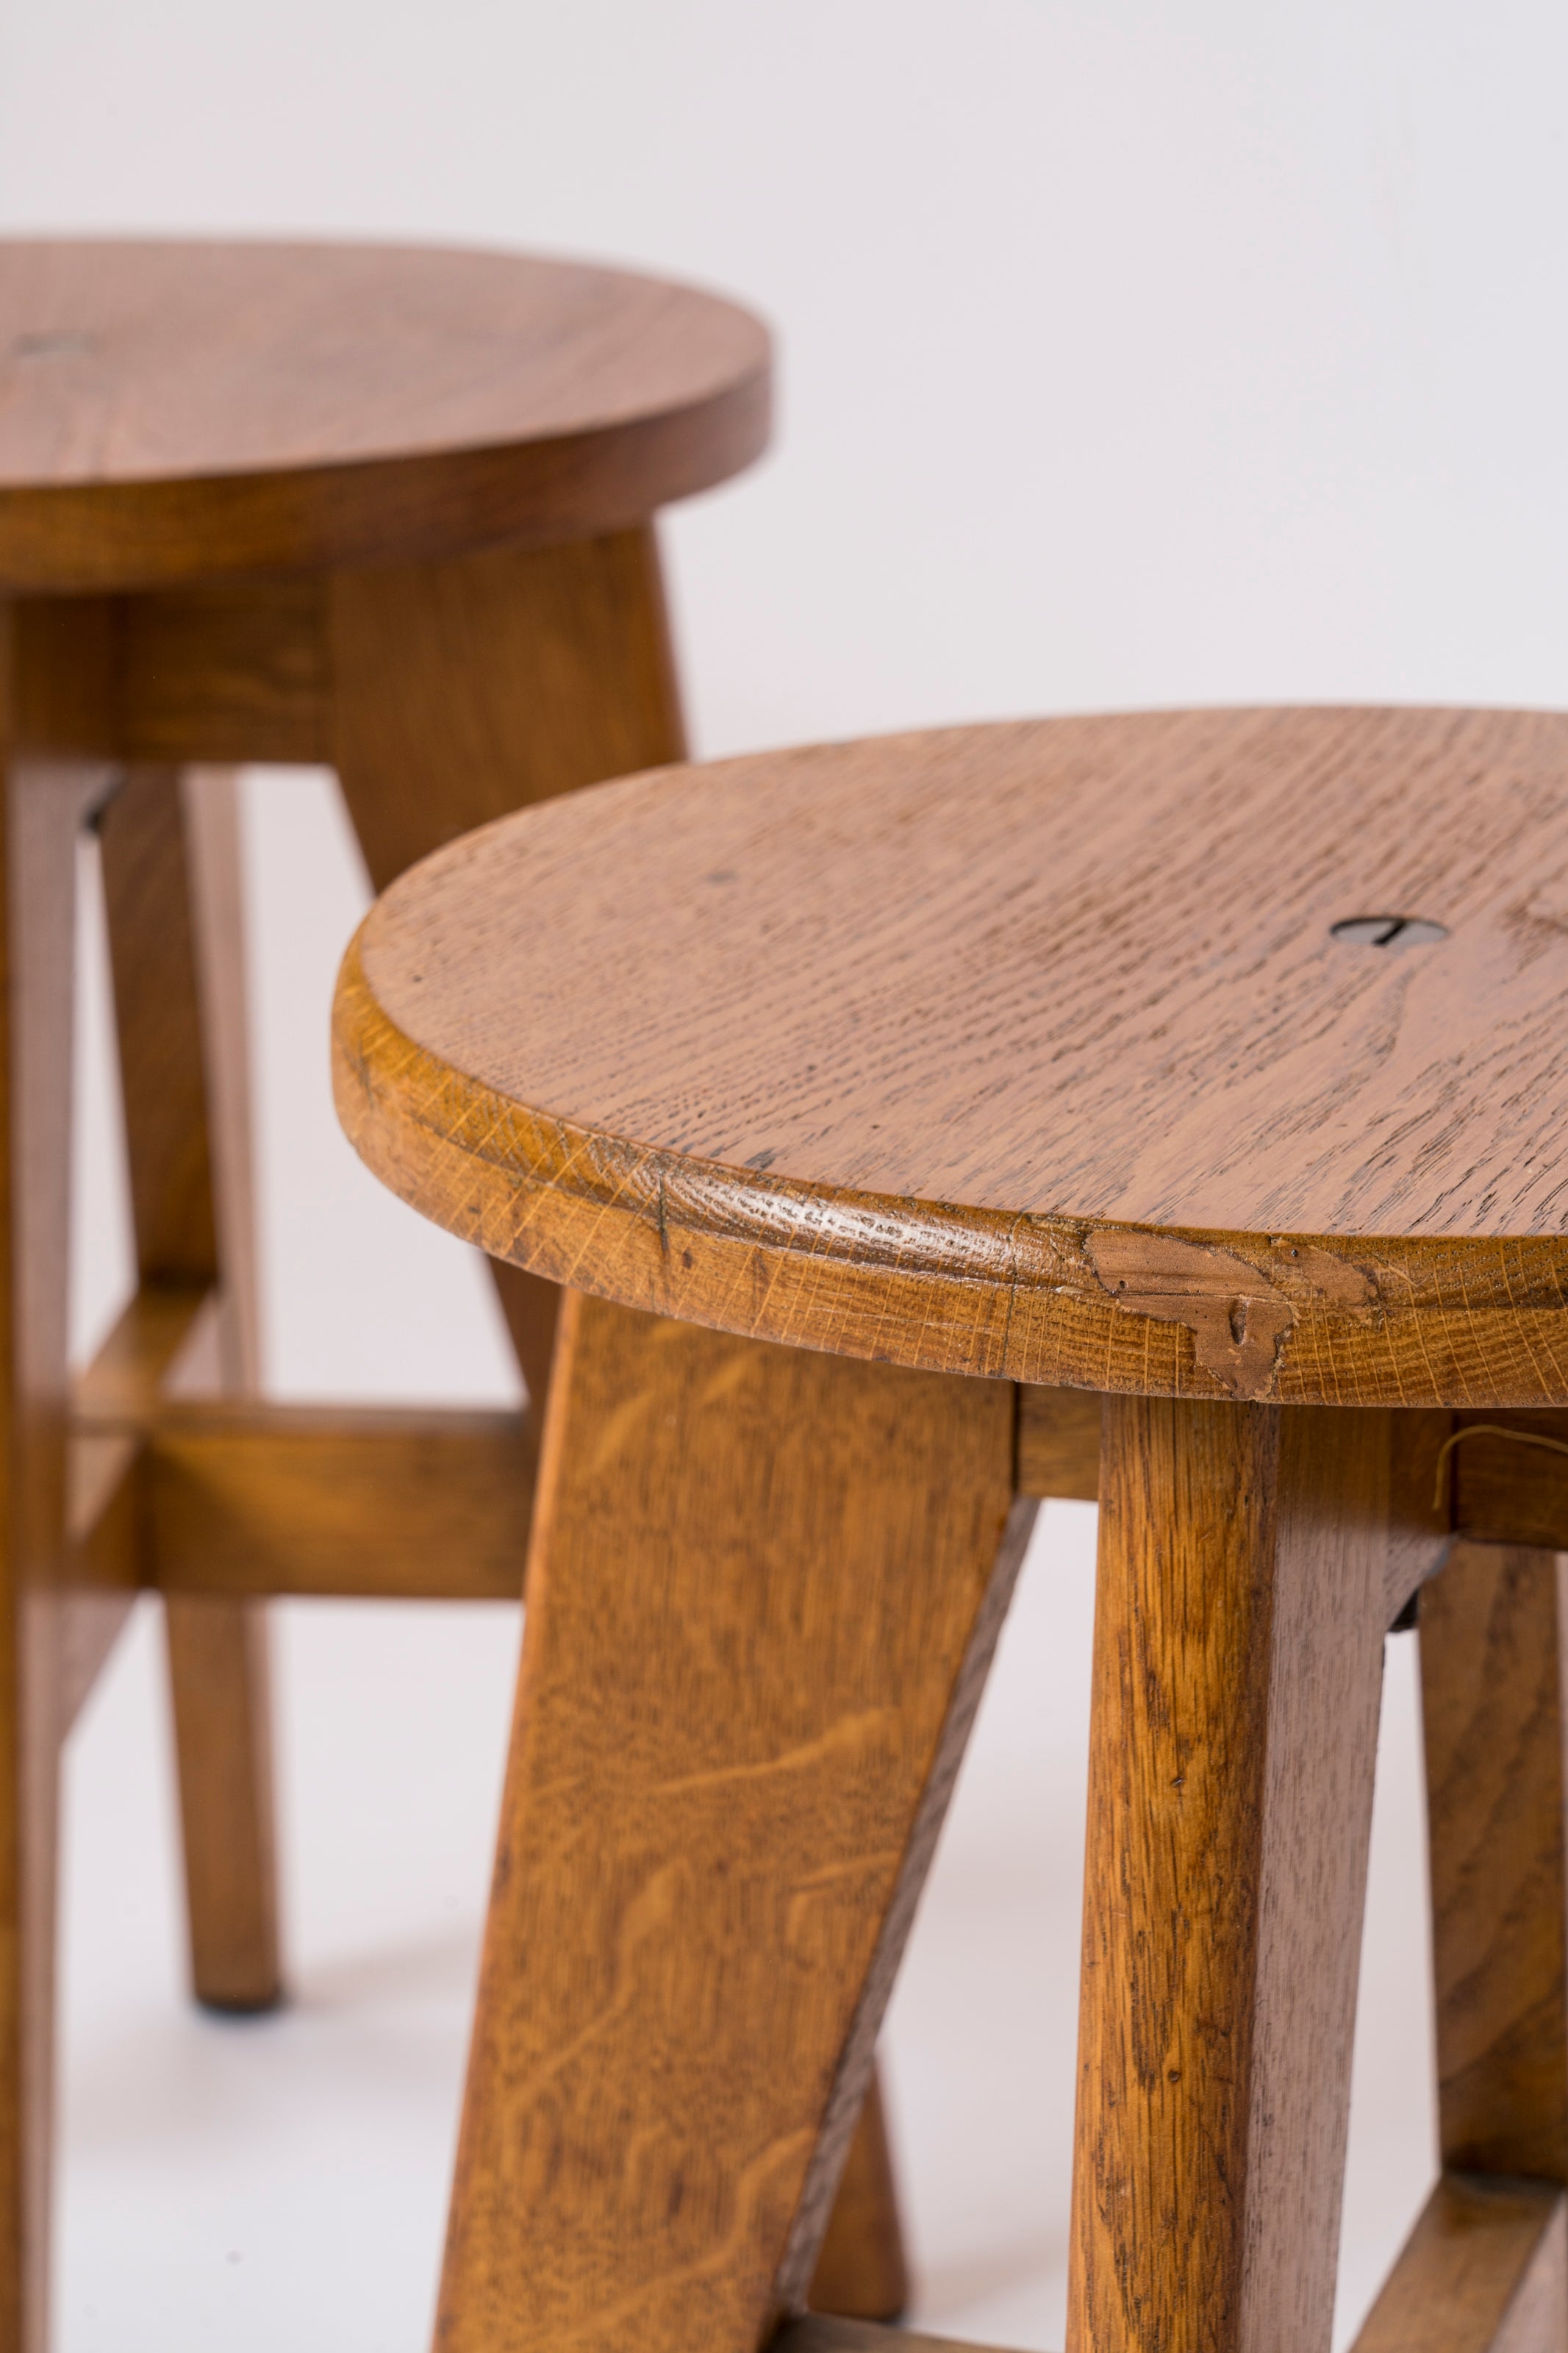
{"x":1128,"y":355}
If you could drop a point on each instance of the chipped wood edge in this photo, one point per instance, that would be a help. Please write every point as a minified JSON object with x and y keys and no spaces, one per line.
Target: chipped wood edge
{"x":1078,"y":1302}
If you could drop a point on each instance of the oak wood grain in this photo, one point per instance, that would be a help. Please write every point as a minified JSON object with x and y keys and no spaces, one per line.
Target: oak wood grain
{"x":1493,"y":1629}
{"x":763,"y":1590}
{"x":897,"y":1045}
{"x":224,"y":671}
{"x":1503,"y":1491}
{"x":467,"y":690}
{"x":1484,"y":2270}
{"x":171,"y":411}
{"x":1238,"y":1648}
{"x":252,"y":1499}
{"x":462,"y":691}
{"x":1059,"y":1443}
{"x":242,"y":1498}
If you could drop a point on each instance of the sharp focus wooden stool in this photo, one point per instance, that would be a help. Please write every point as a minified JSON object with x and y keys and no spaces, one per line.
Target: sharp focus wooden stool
{"x":388,"y":509}
{"x":1216,"y":1063}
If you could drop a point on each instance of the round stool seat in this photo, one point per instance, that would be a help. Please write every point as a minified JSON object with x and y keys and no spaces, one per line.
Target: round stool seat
{"x":1213,"y":1053}
{"x":169,"y":411}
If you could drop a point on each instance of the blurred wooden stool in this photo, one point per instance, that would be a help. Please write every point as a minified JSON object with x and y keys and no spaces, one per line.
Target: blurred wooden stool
{"x":388,"y":509}
{"x":1171,"y":1108}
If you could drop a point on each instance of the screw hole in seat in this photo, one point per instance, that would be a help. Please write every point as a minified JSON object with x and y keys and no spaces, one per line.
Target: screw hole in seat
{"x":1388,"y":931}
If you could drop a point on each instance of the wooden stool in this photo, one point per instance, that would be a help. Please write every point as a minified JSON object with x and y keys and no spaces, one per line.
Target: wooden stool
{"x":1212,"y":1062}
{"x":385,"y":509}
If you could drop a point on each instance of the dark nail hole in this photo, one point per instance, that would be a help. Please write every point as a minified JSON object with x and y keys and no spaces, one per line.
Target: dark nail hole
{"x":58,"y":345}
{"x":1388,"y":931}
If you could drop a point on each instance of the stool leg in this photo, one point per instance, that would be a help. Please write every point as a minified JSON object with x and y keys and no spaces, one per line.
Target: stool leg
{"x":764,"y":1589}
{"x":861,"y":2271}
{"x":463,"y":690}
{"x":43,"y":805}
{"x":1492,"y":1629}
{"x":1239,"y":1644}
{"x":171,"y":870}
{"x":1488,"y":2265}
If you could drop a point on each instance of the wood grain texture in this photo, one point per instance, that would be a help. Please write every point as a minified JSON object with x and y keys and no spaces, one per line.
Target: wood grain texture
{"x":178,"y":410}
{"x":1493,"y":1629}
{"x":1505,"y":1493}
{"x":463,"y":690}
{"x":235,"y":1497}
{"x":1238,"y":1653}
{"x":467,"y":690}
{"x":895,"y":1047}
{"x":763,"y":1590}
{"x":1059,"y":1443}
{"x":252,"y":1499}
{"x":1484,"y":2270}
{"x":225,"y":670}
{"x":170,"y":873}
{"x":1059,"y":1450}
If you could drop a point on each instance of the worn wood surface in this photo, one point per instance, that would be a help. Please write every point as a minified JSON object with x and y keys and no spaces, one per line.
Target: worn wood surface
{"x":1058,"y":1454}
{"x":1238,"y":1669}
{"x":1493,"y":1629}
{"x":171,"y":896}
{"x":895,"y":1048}
{"x":763,"y":1591}
{"x":1484,"y":2270}
{"x":460,"y":691}
{"x":169,"y":411}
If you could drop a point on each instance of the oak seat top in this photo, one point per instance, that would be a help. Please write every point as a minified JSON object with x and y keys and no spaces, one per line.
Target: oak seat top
{"x":173,"y":409}
{"x":1026,"y":1049}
